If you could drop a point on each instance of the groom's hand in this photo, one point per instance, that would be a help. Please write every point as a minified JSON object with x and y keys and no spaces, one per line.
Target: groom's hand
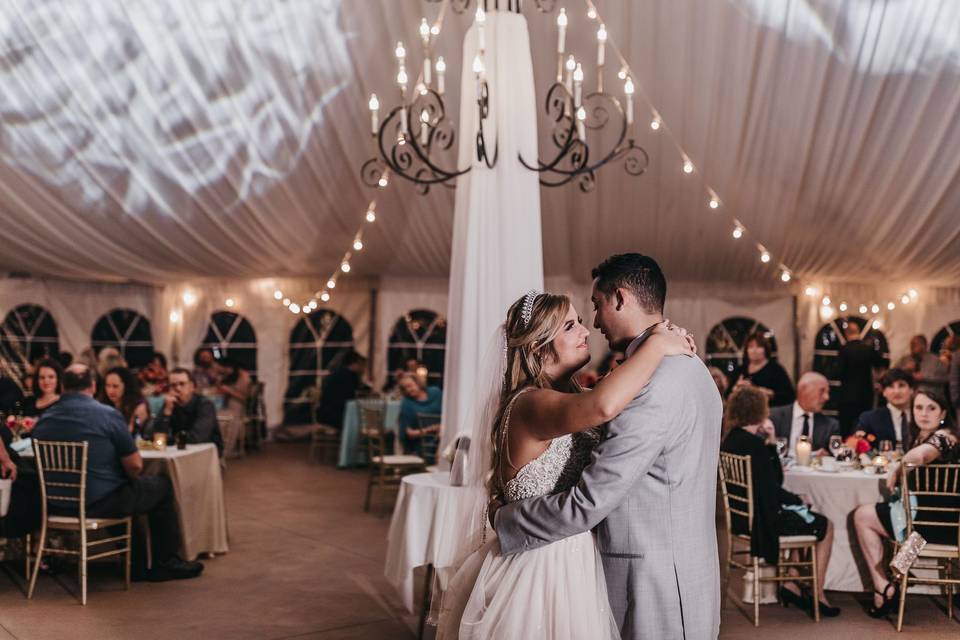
{"x":492,"y":508}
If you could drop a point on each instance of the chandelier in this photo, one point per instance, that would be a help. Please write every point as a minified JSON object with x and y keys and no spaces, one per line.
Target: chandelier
{"x":413,"y":133}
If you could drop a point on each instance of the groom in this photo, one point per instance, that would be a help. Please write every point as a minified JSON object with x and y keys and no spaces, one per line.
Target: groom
{"x":650,"y":488}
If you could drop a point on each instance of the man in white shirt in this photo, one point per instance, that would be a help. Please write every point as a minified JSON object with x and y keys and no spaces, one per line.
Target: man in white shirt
{"x":892,"y":421}
{"x":804,"y":416}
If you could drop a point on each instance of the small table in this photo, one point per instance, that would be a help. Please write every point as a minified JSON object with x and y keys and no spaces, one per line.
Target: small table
{"x":836,"y":495}
{"x":198,"y":491}
{"x":349,"y":455}
{"x":423,"y":529}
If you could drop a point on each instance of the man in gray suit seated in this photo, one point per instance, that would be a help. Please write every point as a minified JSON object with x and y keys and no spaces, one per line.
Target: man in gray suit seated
{"x":803,"y":417}
{"x":651,"y":486}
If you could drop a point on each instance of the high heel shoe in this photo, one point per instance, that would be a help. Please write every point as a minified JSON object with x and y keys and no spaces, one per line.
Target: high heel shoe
{"x":889,"y":601}
{"x":788,"y":597}
{"x":827,"y":611}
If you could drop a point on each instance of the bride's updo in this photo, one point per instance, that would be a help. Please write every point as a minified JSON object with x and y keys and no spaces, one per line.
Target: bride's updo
{"x":529,"y":344}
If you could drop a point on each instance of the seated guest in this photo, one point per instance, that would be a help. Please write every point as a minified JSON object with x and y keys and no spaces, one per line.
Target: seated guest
{"x":890,"y":422}
{"x":121,"y":390}
{"x":410,"y":365}
{"x":186,"y":410}
{"x":46,"y":386}
{"x":24,"y":513}
{"x":776,"y":511}
{"x":926,"y":367}
{"x":416,"y":399}
{"x":803,"y":417}
{"x":205,"y":373}
{"x":935,"y":434}
{"x":761,"y":371}
{"x":115,"y":488}
{"x":109,"y":358}
{"x":153,"y":377}
{"x":339,"y":387}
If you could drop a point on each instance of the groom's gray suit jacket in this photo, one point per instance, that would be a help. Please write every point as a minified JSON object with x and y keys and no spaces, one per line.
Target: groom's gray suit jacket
{"x":650,"y":491}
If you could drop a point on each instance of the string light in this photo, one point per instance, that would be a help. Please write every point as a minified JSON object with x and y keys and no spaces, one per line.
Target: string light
{"x":325,"y":297}
{"x":904,"y":299}
{"x":345,"y":266}
{"x":863,"y":308}
{"x":294,"y":308}
{"x":175,"y":317}
{"x":357,"y":244}
{"x":714,"y":201}
{"x":371,"y":216}
{"x":592,"y":13}
{"x":913,"y":294}
{"x":189,"y":297}
{"x":312,"y":304}
{"x":278,"y":295}
{"x":230,"y":302}
{"x":843,"y":306}
{"x":656,"y":122}
{"x":687,"y":165}
{"x":331,"y":284}
{"x":826,"y":312}
{"x":875,"y":308}
{"x":876,"y":325}
{"x":826,"y":301}
{"x":764,"y":255}
{"x":737,"y":232}
{"x":810,"y":291}
{"x":384,"y":181}
{"x":891,"y":306}
{"x":785,"y":275}
{"x":286,"y":302}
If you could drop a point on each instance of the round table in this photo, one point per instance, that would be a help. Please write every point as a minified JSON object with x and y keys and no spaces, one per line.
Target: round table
{"x":423,"y":530}
{"x":836,"y":495}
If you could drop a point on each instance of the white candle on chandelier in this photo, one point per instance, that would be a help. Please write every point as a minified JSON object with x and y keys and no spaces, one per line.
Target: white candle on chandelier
{"x":383,"y":181}
{"x":403,"y":122}
{"x":481,"y":18}
{"x":478,"y":72}
{"x":577,"y":85}
{"x":592,"y":13}
{"x":628,"y":89}
{"x":441,"y":70}
{"x":424,"y":126}
{"x":581,"y":127}
{"x":601,"y":43}
{"x":561,"y":31}
{"x":424,"y":31}
{"x":656,"y":122}
{"x":571,"y":66}
{"x":374,"y":113}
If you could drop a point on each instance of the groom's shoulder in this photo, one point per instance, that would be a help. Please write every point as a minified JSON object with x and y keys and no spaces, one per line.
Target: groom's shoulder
{"x":681,"y":372}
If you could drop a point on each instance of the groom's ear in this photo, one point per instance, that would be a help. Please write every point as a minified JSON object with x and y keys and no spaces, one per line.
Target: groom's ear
{"x":619,"y":297}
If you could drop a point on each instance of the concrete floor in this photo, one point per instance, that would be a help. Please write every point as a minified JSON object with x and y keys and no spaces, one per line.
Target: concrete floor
{"x":307,"y":562}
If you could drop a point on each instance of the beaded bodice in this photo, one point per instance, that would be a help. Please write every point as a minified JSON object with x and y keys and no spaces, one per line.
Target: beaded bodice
{"x":558,"y":468}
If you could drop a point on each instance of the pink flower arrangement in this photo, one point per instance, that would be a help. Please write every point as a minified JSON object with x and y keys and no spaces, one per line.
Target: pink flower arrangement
{"x":861,"y":442}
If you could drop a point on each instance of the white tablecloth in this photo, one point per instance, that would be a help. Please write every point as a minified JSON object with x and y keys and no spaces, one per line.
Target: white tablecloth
{"x":421,"y":530}
{"x":198,"y":490}
{"x":836,"y":495}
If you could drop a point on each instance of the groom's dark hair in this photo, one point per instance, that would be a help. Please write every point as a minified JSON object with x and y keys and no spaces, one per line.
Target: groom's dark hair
{"x":636,"y":273}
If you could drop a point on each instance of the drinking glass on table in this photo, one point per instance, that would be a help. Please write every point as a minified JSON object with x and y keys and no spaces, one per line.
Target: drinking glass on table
{"x":836,"y":444}
{"x":782,"y":447}
{"x":886,"y":449}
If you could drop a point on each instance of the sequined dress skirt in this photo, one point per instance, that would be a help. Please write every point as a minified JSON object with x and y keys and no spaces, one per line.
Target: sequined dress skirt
{"x":556,"y":592}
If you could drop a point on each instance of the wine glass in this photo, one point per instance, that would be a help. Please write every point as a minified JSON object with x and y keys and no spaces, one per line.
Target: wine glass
{"x":886,"y":449}
{"x":836,"y":443}
{"x":781,"y":446}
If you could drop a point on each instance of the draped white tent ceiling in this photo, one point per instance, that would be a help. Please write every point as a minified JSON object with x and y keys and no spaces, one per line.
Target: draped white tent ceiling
{"x":159,"y":140}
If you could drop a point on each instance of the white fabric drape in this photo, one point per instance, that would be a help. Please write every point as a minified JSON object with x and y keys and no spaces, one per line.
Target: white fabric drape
{"x":497,"y":253}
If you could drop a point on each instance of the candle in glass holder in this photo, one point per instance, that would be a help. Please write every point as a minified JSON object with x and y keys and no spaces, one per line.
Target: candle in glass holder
{"x":803,"y":451}
{"x":879,"y":464}
{"x":160,"y":440}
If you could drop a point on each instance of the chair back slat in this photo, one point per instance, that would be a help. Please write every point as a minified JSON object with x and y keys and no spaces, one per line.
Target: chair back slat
{"x":63,"y":467}
{"x":936,"y":490}
{"x":429,"y":442}
{"x":736,"y":484}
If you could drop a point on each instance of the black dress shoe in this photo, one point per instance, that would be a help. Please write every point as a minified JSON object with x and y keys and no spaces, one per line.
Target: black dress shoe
{"x":175,"y":569}
{"x":826,"y":611}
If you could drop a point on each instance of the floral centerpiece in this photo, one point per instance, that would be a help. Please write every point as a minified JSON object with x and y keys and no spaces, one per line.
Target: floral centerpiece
{"x":20,"y":425}
{"x":862,"y":445}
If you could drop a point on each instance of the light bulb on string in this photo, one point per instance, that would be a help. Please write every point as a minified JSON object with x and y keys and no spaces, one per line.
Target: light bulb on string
{"x":175,"y":317}
{"x":331,"y":284}
{"x":622,"y":74}
{"x":843,"y":306}
{"x":345,"y":266}
{"x":656,"y":122}
{"x":714,"y":202}
{"x":737,"y":232}
{"x":371,"y":216}
{"x":904,"y":299}
{"x":325,"y":297}
{"x":230,"y":303}
{"x":863,"y":308}
{"x":687,"y":165}
{"x":826,"y":312}
{"x":278,"y":295}
{"x":875,"y":308}
{"x":764,"y":256}
{"x":357,"y":244}
{"x":810,"y":292}
{"x":913,"y":294}
{"x":826,"y":301}
{"x":294,"y":308}
{"x":876,"y":324}
{"x":435,"y":30}
{"x":312,"y":304}
{"x":189,"y":297}
{"x":592,"y":13}
{"x":891,"y":306}
{"x":785,"y":275}
{"x":286,"y":302}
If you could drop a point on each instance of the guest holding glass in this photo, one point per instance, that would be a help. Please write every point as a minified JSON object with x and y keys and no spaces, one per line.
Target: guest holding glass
{"x":804,"y":417}
{"x":934,"y":432}
{"x":777,"y":512}
{"x":186,"y":411}
{"x":46,"y":384}
{"x":760,"y":370}
{"x":121,"y":390}
{"x":890,"y":422}
{"x":416,"y":399}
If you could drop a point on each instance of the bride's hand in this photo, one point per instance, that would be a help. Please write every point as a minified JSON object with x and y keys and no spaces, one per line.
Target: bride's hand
{"x":676,"y":340}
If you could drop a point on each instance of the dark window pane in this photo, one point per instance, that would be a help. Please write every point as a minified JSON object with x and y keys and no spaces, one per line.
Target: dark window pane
{"x":420,"y":334}
{"x":314,"y":342}
{"x":127,"y":331}
{"x":29,"y":333}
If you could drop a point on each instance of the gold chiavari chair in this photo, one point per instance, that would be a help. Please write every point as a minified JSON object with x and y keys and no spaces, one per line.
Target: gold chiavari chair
{"x":429,"y":442}
{"x":386,"y":468}
{"x":936,"y":490}
{"x":736,"y":483}
{"x":62,"y":466}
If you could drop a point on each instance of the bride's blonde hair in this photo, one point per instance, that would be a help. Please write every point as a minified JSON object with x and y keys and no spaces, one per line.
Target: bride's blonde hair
{"x":529,"y":345}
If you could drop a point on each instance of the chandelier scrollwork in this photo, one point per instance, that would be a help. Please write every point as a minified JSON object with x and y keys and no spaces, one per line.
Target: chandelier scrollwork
{"x":461,"y":6}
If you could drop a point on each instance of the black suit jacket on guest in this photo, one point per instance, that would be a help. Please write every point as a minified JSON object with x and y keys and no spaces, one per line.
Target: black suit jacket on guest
{"x":768,"y":493}
{"x":823,"y":426}
{"x":879,"y":422}
{"x":857,"y":360}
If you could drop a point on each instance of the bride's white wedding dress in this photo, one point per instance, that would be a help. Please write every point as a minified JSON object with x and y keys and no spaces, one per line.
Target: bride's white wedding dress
{"x":556,"y":592}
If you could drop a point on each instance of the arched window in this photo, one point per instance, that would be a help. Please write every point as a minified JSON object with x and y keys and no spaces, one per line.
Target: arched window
{"x":827,"y":347}
{"x":230,"y":334}
{"x":129,"y":332}
{"x":947,"y":331}
{"x":314,"y":342}
{"x":419,"y":334}
{"x":726,"y":339}
{"x":29,"y":333}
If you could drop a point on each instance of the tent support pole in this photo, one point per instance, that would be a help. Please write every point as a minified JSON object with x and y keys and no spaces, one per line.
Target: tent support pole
{"x":372,"y":338}
{"x":796,"y":339}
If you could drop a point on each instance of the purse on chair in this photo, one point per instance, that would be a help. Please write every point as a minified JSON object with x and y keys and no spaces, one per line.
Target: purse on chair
{"x":906,"y":556}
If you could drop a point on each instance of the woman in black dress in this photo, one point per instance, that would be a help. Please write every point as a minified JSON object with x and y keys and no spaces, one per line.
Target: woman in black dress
{"x":777,"y":512}
{"x":761,"y":371}
{"x":934,"y":432}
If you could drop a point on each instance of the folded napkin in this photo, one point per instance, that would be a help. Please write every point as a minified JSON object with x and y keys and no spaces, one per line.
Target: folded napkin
{"x":21,"y":445}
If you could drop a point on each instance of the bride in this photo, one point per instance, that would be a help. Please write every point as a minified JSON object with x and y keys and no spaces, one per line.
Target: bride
{"x":540,"y":429}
